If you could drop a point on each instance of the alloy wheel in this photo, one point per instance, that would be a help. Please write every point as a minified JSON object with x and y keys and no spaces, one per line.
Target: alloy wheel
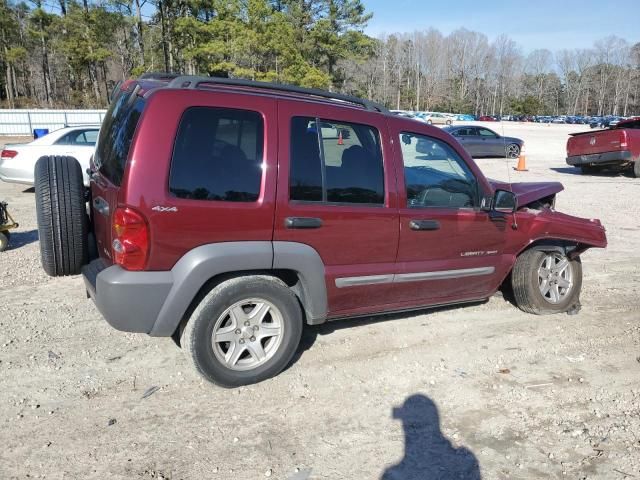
{"x":555,"y":277}
{"x":247,"y":334}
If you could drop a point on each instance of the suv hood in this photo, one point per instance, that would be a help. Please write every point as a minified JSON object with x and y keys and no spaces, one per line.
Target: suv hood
{"x":528,"y":192}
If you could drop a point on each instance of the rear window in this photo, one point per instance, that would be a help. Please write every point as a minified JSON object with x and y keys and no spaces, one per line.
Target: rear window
{"x":218,"y":155}
{"x":116,"y":134}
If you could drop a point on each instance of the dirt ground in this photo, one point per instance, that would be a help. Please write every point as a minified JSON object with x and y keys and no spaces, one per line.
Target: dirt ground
{"x":482,"y":391}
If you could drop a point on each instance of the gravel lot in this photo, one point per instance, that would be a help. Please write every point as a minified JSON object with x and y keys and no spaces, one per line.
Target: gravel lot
{"x":516,"y":396}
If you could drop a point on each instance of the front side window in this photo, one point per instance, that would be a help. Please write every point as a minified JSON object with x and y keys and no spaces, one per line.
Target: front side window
{"x":79,"y":137}
{"x":485,"y":132}
{"x":335,"y":162}
{"x":218,"y":155}
{"x":435,"y":175}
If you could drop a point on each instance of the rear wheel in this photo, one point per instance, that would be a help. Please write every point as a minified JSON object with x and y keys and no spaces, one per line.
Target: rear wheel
{"x":546,"y":282}
{"x":448,"y":122}
{"x":244,"y":331}
{"x":429,"y":122}
{"x":62,"y":216}
{"x":4,"y":240}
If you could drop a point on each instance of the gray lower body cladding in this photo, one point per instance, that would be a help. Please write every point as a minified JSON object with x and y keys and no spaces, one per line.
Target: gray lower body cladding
{"x":156,"y":302}
{"x":129,"y":301}
{"x":622,"y":156}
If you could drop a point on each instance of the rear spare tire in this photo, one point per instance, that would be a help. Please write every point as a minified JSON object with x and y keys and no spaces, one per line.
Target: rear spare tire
{"x":62,"y":215}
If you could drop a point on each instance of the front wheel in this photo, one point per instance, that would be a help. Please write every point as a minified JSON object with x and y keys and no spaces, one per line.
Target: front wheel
{"x":448,"y":122}
{"x":513,"y":150}
{"x":429,"y":122}
{"x":546,"y":282}
{"x":243,"y":331}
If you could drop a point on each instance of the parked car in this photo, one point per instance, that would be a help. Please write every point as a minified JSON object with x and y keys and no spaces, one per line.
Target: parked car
{"x":435,"y":118}
{"x":487,"y":118}
{"x":328,"y":129}
{"x":618,"y":147}
{"x":465,"y":117}
{"x":222,"y":221}
{"x":484,"y":142}
{"x":18,"y":160}
{"x":403,"y":113}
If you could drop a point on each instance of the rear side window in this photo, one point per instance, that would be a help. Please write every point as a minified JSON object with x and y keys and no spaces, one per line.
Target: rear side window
{"x":116,"y":133}
{"x":335,"y":162}
{"x":218,"y":155}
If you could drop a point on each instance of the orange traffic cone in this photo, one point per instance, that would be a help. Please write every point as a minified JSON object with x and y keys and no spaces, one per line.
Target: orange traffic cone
{"x":522,"y":162}
{"x":340,"y":141}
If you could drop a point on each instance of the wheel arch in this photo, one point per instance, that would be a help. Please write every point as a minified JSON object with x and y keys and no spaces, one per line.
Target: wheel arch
{"x":297,"y":265}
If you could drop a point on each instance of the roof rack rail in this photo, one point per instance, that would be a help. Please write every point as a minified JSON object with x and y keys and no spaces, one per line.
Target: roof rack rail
{"x":193,"y":81}
{"x":158,"y":76}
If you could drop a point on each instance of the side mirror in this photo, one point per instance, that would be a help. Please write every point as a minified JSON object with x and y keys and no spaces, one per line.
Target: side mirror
{"x":504,"y":201}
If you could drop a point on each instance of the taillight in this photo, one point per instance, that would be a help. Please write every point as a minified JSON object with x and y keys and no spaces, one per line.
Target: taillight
{"x":8,"y":154}
{"x":131,"y":242}
{"x":623,"y":143}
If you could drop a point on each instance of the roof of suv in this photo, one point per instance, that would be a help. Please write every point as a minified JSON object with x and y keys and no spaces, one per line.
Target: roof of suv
{"x":153,"y":81}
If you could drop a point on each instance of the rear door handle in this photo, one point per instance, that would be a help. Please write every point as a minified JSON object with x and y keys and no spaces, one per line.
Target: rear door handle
{"x":424,"y":225}
{"x":302,"y":222}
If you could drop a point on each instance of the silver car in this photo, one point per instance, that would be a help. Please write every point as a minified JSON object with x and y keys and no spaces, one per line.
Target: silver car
{"x":484,"y":142}
{"x":18,"y":160}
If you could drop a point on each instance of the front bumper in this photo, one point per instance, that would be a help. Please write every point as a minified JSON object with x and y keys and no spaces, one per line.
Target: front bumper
{"x":129,"y":301}
{"x":621,"y":156}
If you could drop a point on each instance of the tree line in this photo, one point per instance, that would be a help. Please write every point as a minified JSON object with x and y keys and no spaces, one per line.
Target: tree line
{"x":63,"y":53}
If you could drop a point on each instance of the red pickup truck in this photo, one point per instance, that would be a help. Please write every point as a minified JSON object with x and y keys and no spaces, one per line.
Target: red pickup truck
{"x":617,"y":147}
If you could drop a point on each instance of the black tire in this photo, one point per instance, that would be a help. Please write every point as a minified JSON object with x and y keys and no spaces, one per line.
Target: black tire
{"x":636,"y":169}
{"x":196,"y":335}
{"x":4,"y":240}
{"x":62,"y":215}
{"x":448,"y":122}
{"x":429,"y":122}
{"x":526,"y":291}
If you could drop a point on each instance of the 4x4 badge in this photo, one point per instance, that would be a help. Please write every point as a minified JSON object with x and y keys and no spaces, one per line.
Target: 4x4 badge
{"x":160,"y":208}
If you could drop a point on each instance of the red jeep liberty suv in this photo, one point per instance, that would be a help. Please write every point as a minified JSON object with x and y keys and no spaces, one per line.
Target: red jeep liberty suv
{"x":228,"y":213}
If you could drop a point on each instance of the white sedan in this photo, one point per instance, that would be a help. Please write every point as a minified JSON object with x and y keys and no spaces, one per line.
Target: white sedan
{"x":17,"y":161}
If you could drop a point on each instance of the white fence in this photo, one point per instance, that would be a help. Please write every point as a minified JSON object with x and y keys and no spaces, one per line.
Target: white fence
{"x":24,"y":122}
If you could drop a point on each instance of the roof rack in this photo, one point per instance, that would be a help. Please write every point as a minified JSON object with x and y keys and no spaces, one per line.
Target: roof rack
{"x":192,"y":81}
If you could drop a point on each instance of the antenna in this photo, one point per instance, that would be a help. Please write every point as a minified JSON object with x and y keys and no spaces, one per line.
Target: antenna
{"x":514,"y":223}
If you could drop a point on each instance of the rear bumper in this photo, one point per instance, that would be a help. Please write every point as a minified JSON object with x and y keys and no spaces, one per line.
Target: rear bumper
{"x":129,"y":301}
{"x":601,"y":158}
{"x":12,"y":171}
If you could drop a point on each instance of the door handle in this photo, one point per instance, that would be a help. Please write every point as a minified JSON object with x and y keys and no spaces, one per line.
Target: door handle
{"x":424,"y":225}
{"x":302,"y":222}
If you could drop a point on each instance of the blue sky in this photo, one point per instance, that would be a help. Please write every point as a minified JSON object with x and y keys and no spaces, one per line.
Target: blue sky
{"x":532,"y":24}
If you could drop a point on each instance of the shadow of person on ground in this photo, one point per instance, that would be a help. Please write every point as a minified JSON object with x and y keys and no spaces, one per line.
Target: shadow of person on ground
{"x":428,"y":455}
{"x":20,"y":239}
